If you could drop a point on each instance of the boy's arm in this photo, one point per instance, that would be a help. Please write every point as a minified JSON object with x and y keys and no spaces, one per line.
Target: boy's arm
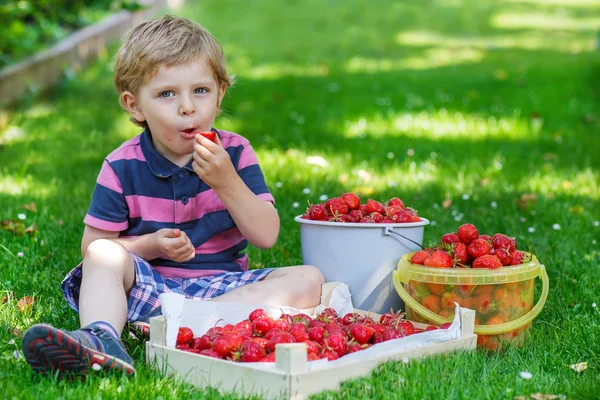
{"x":256,"y":219}
{"x":141,"y":245}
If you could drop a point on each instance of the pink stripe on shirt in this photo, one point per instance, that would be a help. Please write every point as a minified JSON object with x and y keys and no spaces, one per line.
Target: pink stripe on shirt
{"x":108,"y":178}
{"x":130,"y":150}
{"x":221,"y":242}
{"x":105,"y":225}
{"x":161,"y":210}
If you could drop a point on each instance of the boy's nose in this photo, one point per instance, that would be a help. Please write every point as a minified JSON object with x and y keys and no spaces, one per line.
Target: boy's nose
{"x":186,"y":107}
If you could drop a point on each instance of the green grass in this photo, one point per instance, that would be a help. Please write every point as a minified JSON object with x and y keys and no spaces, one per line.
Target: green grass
{"x":427,"y":101}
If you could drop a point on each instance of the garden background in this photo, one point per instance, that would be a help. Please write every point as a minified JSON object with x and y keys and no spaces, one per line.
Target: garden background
{"x":481,"y":112}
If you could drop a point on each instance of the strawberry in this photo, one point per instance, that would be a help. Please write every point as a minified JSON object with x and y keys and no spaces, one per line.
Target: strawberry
{"x":390,"y":317}
{"x":316,"y":322}
{"x":210,"y":353}
{"x":374,"y":206}
{"x":363,"y":209}
{"x":268,"y":358}
{"x":504,"y":256}
{"x":316,"y":212}
{"x":336,"y":206}
{"x":184,"y":335}
{"x":486,"y":237}
{"x":282,"y":324}
{"x":501,"y":241}
{"x":201,"y":343}
{"x":439,"y":259}
{"x":261,"y":326}
{"x":405,"y":327}
{"x":354,"y":216}
{"x":377,"y":218}
{"x":329,"y":355}
{"x":361,"y":333}
{"x":391,"y":334}
{"x":350,"y":318}
{"x":449,"y":238}
{"x":419,"y":257}
{"x":262,"y":342}
{"x":518,"y":257}
{"x":210,"y":135}
{"x":337,"y":343}
{"x":403,"y":216}
{"x":484,"y":303}
{"x":244,"y":325}
{"x":282,"y":337}
{"x":460,"y":253}
{"x":487,"y":261}
{"x":431,"y":328}
{"x":226,"y":345}
{"x":312,"y":356}
{"x":445,"y":325}
{"x":467,"y":233}
{"x":299,"y":332}
{"x":312,"y":347}
{"x":182,"y":346}
{"x":316,"y":334}
{"x":367,"y":219}
{"x":251,"y":351}
{"x":479,"y":247}
{"x":387,"y":220}
{"x":353,"y":347}
{"x":256,"y":314}
{"x":431,"y":302}
{"x":391,"y":210}
{"x":272,"y":332}
{"x":352,"y":201}
{"x":395,"y":202}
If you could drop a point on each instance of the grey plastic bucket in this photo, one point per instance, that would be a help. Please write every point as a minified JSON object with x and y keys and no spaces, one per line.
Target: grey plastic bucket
{"x":364,"y":256}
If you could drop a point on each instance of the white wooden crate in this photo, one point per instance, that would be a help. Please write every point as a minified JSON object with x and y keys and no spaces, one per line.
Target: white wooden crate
{"x":291,"y":377}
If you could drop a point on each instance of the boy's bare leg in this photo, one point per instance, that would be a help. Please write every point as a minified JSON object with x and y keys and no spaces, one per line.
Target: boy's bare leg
{"x":108,"y":276}
{"x":298,"y":287}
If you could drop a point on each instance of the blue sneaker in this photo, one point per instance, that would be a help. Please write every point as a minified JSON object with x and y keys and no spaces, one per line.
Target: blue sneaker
{"x":48,"y":349}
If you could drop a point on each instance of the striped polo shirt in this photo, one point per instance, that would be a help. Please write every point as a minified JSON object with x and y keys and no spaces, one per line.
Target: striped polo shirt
{"x":139,"y":191}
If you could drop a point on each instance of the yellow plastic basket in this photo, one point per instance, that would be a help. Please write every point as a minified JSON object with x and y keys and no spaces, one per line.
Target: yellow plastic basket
{"x":502,"y":298}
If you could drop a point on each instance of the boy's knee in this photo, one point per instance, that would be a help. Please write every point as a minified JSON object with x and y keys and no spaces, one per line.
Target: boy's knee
{"x":106,"y":252}
{"x":313,"y":275}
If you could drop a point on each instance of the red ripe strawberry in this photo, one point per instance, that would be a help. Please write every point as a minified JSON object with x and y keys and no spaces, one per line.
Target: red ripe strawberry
{"x":354,"y":347}
{"x":336,"y":342}
{"x":391,"y":210}
{"x":445,"y":325}
{"x":395,"y":202}
{"x":431,"y":328}
{"x":282,"y":337}
{"x":390,"y":317}
{"x":377,"y":337}
{"x":363,"y":209}
{"x":268,"y":358}
{"x":374,"y":206}
{"x":467,"y":233}
{"x":361,"y":333}
{"x":282,"y":324}
{"x":391,"y":334}
{"x":503,"y":255}
{"x":299,"y":332}
{"x":226,"y":345}
{"x":439,"y":259}
{"x":316,"y":212}
{"x":201,"y":343}
{"x":419,"y":257}
{"x":500,"y":241}
{"x":210,"y":135}
{"x":316,"y":334}
{"x":367,"y":219}
{"x":403,"y":216}
{"x":261,"y":326}
{"x":479,"y":247}
{"x":450,"y":238}
{"x":316,"y":322}
{"x":182,"y":346}
{"x":350,"y":318}
{"x":251,"y":351}
{"x":333,"y":327}
{"x":272,"y":332}
{"x":352,"y":201}
{"x":354,"y":216}
{"x":210,"y":353}
{"x":461,"y":253}
{"x":387,"y":220}
{"x":328,"y":314}
{"x":262,"y":342}
{"x":312,"y":356}
{"x":256,"y":314}
{"x":487,"y":261}
{"x":244,"y":325}
{"x":228,"y":328}
{"x":486,"y":237}
{"x":336,"y":206}
{"x":377,"y":218}
{"x":518,"y":257}
{"x":405,"y":328}
{"x":329,"y":354}
{"x":312,"y":347}
{"x":184,"y":335}
{"x":215,"y":331}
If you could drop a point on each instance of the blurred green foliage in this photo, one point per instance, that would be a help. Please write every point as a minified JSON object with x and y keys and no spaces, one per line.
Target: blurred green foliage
{"x":29,"y":26}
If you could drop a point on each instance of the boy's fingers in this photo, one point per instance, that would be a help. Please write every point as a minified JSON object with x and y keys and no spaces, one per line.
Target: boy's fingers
{"x":173,"y":233}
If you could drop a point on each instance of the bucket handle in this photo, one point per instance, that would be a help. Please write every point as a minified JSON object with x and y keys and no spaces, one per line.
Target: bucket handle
{"x":479,"y":329}
{"x":389,"y":230}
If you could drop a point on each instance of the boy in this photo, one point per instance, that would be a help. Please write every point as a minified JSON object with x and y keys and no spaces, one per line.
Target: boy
{"x":172,"y":210}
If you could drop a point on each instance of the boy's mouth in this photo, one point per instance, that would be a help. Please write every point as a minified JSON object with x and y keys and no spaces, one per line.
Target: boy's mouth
{"x":189,"y":133}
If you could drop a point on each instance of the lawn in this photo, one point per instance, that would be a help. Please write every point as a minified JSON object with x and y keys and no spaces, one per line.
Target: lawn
{"x":464,"y":109}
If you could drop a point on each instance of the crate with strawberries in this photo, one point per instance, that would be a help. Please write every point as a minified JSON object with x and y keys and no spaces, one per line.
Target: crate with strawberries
{"x":348,"y":208}
{"x":488,"y":274}
{"x":327,"y":336}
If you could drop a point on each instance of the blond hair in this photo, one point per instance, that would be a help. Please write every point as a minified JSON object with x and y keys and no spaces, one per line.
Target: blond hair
{"x":167,"y":41}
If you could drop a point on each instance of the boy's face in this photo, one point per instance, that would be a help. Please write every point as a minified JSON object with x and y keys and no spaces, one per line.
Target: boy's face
{"x":176,"y":103}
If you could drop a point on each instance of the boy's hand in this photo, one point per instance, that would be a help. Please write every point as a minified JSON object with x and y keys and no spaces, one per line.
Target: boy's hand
{"x":211,"y":162}
{"x":174,"y":245}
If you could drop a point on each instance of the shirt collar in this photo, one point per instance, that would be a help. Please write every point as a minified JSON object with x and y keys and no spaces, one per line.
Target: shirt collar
{"x":159,"y":164}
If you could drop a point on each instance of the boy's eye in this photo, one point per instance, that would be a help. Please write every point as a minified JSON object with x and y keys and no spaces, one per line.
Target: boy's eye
{"x":166,"y":94}
{"x":201,"y":90}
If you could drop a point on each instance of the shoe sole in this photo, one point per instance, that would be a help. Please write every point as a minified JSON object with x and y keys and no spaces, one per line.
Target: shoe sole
{"x":48,"y":349}
{"x":141,"y":329}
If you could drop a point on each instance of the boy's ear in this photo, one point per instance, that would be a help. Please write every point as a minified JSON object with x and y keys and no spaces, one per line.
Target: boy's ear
{"x":132,"y":106}
{"x":222,"y":91}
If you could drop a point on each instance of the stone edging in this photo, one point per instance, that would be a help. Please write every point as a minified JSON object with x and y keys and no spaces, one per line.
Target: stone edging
{"x":72,"y":53}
